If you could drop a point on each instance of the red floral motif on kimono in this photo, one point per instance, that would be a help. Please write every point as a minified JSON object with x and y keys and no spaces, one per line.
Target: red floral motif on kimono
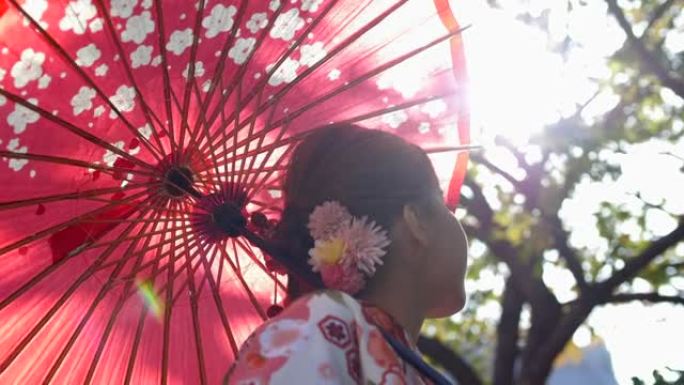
{"x":325,"y":337}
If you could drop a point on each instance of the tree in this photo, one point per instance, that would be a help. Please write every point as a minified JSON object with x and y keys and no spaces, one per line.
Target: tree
{"x":516,"y":220}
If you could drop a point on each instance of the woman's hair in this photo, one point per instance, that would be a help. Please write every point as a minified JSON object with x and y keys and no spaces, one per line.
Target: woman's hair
{"x":371,"y":172}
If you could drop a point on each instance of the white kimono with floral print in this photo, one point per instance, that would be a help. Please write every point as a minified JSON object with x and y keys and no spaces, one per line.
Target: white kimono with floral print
{"x":325,"y":337}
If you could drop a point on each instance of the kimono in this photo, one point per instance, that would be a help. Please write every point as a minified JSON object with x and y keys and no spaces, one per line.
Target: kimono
{"x":325,"y":337}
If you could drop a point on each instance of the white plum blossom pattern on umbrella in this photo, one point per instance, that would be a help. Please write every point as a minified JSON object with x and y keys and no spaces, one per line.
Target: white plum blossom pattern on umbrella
{"x":286,"y":73}
{"x":286,"y":25}
{"x":14,"y":146}
{"x":141,"y":56}
{"x":76,"y":16}
{"x":219,"y":20}
{"x":424,"y":127}
{"x":311,"y":5}
{"x":83,"y":100}
{"x":101,"y":70}
{"x":36,"y":9}
{"x":123,"y":8}
{"x":96,"y":25}
{"x":312,"y":53}
{"x":44,"y":81}
{"x":28,"y":68}
{"x":334,"y":74}
{"x":145,"y":131}
{"x":241,"y":50}
{"x":199,"y":70}
{"x":87,"y":55}
{"x":22,"y":116}
{"x":395,"y":119}
{"x":274,"y":5}
{"x":434,"y":108}
{"x":110,"y":157}
{"x":257,"y":22}
{"x":137,"y":28}
{"x":179,"y":41}
{"x":123,"y":100}
{"x":98,"y":111}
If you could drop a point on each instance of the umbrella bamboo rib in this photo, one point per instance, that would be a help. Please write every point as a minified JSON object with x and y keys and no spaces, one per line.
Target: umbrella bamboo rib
{"x":347,"y":42}
{"x":248,"y":250}
{"x":45,"y":272}
{"x":74,"y":129}
{"x":58,"y":227}
{"x":278,"y":162}
{"x":262,"y":83}
{"x":71,"y":162}
{"x":194,"y":307}
{"x":217,"y":77}
{"x":134,"y":273}
{"x":376,"y":71}
{"x":100,"y":296}
{"x":141,"y":323}
{"x":184,"y":125}
{"x":112,"y":319}
{"x":65,"y":56}
{"x":238,"y":274}
{"x":66,"y":196}
{"x":261,"y":139}
{"x":219,"y":306}
{"x":226,"y":93}
{"x":239,"y":173}
{"x":134,"y":237}
{"x":165,"y":72}
{"x":348,"y":85}
{"x":149,"y":113}
{"x":65,"y":296}
{"x":167,"y":309}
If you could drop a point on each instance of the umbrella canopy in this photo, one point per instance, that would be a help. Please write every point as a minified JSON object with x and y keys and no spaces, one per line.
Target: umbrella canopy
{"x":135,"y":133}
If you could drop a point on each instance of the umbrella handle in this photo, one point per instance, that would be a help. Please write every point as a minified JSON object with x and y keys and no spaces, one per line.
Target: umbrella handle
{"x":292,"y":266}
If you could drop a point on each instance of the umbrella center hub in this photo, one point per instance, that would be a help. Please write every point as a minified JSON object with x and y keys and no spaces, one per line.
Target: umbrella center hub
{"x":177,"y":181}
{"x":228,"y":217}
{"x":221,"y":214}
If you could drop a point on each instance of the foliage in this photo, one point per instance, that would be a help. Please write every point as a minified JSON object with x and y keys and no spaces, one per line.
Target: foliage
{"x":514,"y":328}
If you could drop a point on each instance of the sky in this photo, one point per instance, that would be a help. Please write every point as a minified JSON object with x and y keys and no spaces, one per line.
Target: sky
{"x":517,"y":86}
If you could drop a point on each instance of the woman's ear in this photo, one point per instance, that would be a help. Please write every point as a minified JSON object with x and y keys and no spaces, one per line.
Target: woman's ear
{"x":415,"y":222}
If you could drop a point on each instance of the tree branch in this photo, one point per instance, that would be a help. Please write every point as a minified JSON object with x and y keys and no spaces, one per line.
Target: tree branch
{"x":480,"y":159}
{"x":657,"y":14}
{"x":449,"y":360}
{"x":634,"y":265}
{"x":648,"y":297}
{"x":648,"y":60}
{"x":560,"y":237}
{"x":507,"y":332}
{"x":532,"y":287}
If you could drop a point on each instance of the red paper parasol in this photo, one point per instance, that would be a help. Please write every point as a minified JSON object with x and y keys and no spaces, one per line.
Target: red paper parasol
{"x":135,"y":133}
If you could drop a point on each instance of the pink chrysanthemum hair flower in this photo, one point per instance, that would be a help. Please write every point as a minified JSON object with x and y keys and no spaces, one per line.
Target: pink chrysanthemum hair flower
{"x":326,"y":219}
{"x":347,"y":249}
{"x":365,"y":243}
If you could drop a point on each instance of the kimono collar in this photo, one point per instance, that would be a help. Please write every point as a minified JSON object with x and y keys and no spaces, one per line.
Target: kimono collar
{"x":386,"y":321}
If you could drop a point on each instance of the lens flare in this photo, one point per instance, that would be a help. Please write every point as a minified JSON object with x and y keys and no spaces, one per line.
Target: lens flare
{"x":150,"y":297}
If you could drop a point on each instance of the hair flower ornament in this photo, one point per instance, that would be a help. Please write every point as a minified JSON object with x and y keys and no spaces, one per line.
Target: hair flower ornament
{"x":346,"y":249}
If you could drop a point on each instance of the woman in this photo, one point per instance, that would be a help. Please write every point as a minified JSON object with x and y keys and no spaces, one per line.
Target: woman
{"x":363,"y":208}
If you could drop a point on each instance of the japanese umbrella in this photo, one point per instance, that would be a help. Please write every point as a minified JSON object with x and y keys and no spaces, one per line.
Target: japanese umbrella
{"x":143,"y":148}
